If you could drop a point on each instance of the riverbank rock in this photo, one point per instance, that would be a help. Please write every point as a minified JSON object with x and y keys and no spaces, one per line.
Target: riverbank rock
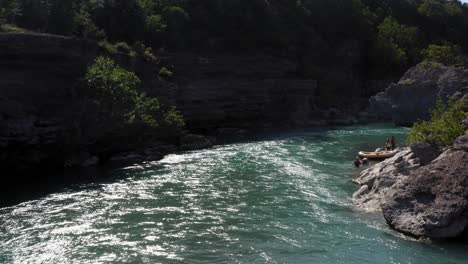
{"x":465,"y":102}
{"x":432,"y":201}
{"x":376,"y":180}
{"x":194,"y":142}
{"x":415,"y":94}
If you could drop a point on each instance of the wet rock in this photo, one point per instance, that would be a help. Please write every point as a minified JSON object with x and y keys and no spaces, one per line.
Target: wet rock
{"x":233,"y":132}
{"x":77,"y":159}
{"x":432,"y":201}
{"x":92,"y":161}
{"x":346,"y":121}
{"x":317,"y":123}
{"x":128,"y":157}
{"x":194,"y":142}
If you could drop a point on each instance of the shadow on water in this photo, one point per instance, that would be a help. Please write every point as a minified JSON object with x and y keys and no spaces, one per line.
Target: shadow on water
{"x":36,"y":184}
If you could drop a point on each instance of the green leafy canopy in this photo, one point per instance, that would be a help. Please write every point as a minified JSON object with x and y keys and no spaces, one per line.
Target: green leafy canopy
{"x":444,"y":126}
{"x":114,"y":90}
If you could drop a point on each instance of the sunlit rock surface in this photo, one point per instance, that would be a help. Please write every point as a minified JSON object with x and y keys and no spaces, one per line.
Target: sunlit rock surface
{"x":415,"y":94}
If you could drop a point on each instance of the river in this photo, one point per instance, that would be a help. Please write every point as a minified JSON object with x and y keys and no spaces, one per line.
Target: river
{"x":283,"y":198}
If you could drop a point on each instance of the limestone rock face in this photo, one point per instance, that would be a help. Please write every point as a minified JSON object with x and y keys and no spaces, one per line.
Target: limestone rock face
{"x":376,"y":180}
{"x":39,"y":110}
{"x":461,"y":143}
{"x":425,"y":152}
{"x":433,"y":200}
{"x":241,"y":91}
{"x":415,"y":94}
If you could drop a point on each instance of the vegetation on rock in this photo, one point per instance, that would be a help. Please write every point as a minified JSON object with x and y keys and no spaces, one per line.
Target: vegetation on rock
{"x":449,"y":55}
{"x":445,"y":124}
{"x":371,"y":40}
{"x":113,"y":92}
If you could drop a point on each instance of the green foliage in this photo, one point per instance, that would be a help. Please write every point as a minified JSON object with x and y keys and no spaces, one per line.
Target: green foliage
{"x":107,"y":46}
{"x":440,"y":9}
{"x":155,"y":23}
{"x":398,"y":40}
{"x":113,"y":90}
{"x":145,"y":52}
{"x":84,"y":26}
{"x":444,"y":127}
{"x":174,"y":117}
{"x":425,"y":64}
{"x":449,"y":55}
{"x":373,"y":39}
{"x":123,"y":47}
{"x":8,"y":28}
{"x":165,"y":73}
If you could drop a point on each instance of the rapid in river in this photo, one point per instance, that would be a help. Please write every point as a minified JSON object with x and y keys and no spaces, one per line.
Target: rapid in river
{"x":283,"y":198}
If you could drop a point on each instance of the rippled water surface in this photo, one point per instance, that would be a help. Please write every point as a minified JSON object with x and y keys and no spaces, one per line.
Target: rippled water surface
{"x":281,"y":199}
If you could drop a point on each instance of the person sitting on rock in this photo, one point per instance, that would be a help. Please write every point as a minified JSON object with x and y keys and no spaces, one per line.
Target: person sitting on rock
{"x":357,"y":162}
{"x":388,"y":145}
{"x":393,"y":142}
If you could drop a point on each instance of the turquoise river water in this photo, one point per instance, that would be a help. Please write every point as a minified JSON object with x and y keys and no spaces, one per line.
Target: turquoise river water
{"x":284,"y":198}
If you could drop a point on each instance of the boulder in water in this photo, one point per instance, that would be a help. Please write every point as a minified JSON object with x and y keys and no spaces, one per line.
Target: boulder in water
{"x":377,"y":179}
{"x":432,"y":201}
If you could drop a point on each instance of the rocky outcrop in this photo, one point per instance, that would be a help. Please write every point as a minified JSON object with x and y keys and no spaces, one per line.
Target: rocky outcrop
{"x":433,"y":201}
{"x":415,"y":94}
{"x":421,"y":192}
{"x":378,"y":179}
{"x":40,"y":107}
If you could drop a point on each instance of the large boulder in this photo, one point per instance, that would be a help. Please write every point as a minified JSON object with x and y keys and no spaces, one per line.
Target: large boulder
{"x":432,"y":201}
{"x":415,"y":94}
{"x":378,"y":179}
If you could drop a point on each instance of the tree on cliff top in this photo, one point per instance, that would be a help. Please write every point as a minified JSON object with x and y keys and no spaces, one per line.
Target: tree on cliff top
{"x":444,"y":126}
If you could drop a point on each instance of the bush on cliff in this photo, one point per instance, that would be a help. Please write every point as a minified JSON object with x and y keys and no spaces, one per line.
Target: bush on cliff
{"x":444,"y":126}
{"x":449,"y":55}
{"x":113,"y":92}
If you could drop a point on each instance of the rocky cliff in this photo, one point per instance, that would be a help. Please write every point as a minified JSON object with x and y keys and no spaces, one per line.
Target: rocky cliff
{"x":432,"y":201}
{"x":217,"y":91}
{"x":37,"y":77}
{"x":39,"y":109}
{"x":415,"y":94}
